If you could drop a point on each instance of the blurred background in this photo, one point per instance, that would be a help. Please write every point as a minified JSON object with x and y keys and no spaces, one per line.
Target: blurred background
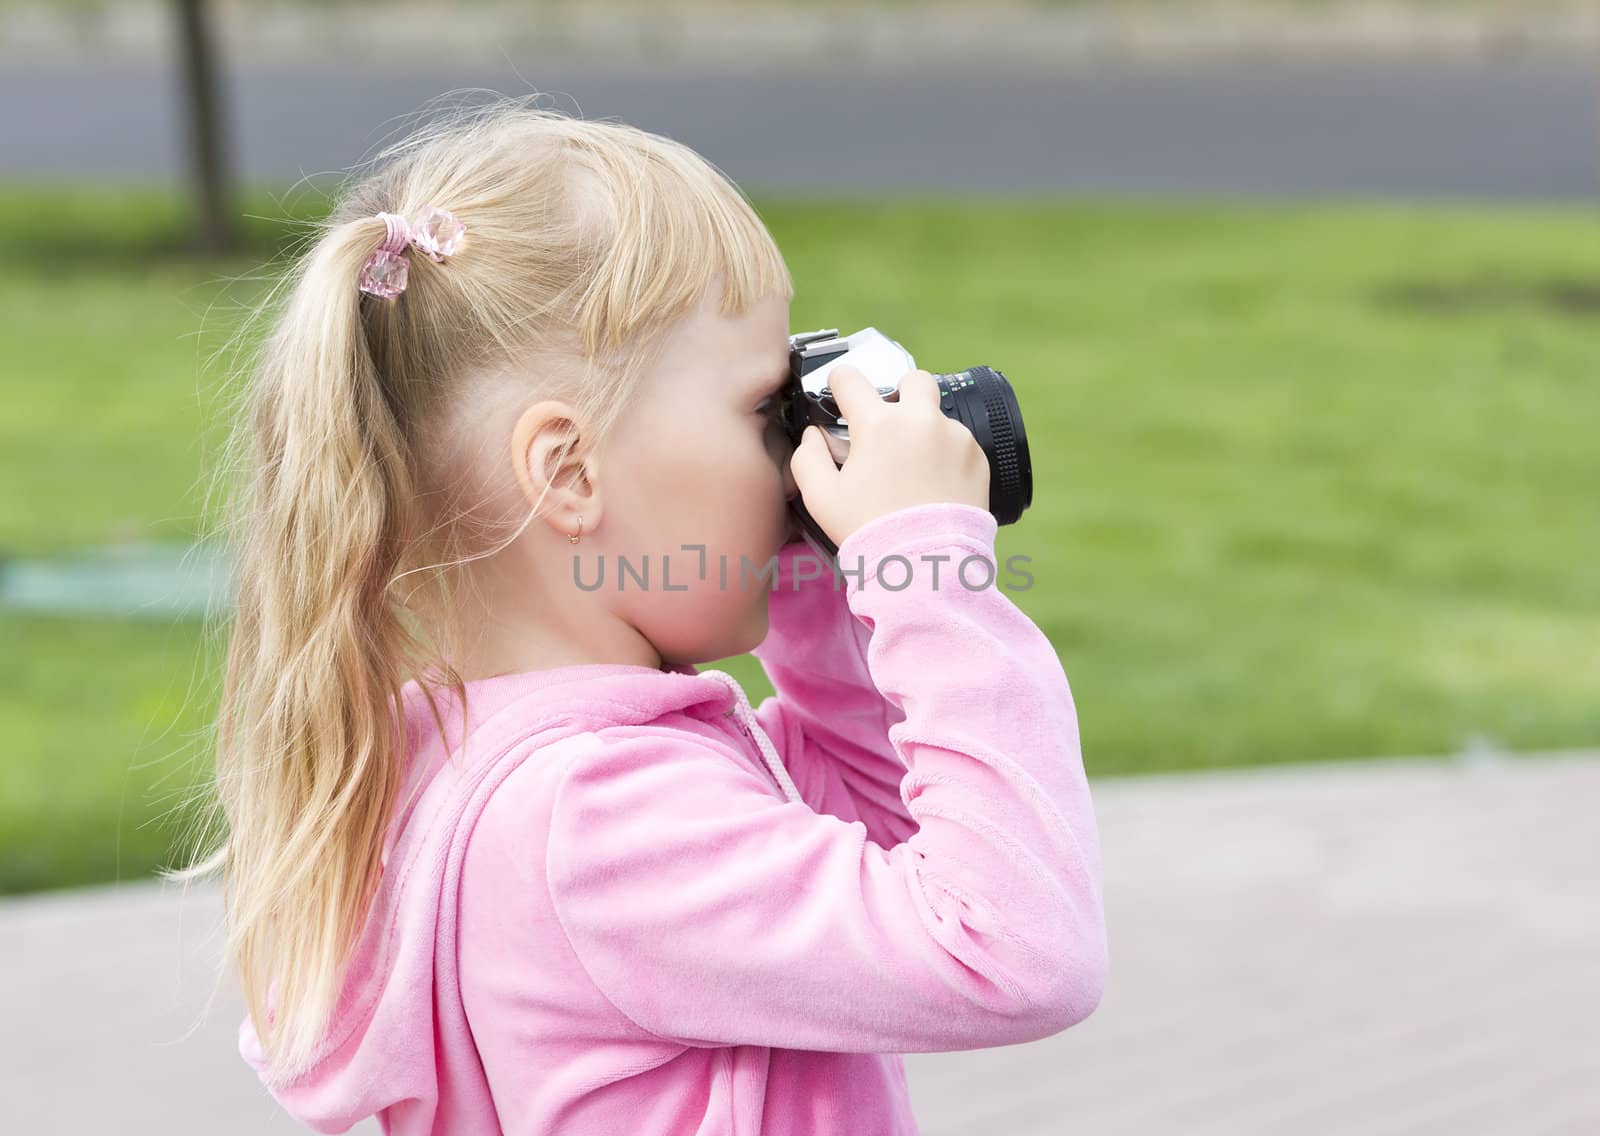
{"x":1301,"y":301}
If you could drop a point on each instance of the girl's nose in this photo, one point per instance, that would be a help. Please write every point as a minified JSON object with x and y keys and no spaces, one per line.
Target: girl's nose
{"x":782,"y":452}
{"x":791,"y":494}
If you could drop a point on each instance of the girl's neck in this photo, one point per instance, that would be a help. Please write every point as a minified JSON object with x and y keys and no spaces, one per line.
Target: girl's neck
{"x":505,"y":659}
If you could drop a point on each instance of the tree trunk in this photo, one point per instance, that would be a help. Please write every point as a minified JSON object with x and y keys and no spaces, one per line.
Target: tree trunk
{"x":207,"y":161}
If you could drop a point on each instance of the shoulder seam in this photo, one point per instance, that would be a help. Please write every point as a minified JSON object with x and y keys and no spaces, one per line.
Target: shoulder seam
{"x":563,"y":776}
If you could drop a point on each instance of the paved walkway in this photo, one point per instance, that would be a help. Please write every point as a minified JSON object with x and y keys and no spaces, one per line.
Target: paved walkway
{"x":1366,"y":947}
{"x":777,"y":36}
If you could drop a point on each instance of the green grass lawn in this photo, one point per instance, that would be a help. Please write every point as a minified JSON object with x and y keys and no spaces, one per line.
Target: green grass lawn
{"x":1312,"y":481}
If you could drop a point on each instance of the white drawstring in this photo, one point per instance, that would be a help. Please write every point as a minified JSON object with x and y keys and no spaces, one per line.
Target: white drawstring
{"x":747,"y":716}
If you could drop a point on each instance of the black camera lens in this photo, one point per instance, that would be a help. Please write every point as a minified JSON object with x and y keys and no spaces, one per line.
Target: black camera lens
{"x":980,"y":398}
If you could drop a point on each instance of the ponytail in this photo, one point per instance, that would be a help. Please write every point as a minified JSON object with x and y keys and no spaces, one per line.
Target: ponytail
{"x":310,"y":710}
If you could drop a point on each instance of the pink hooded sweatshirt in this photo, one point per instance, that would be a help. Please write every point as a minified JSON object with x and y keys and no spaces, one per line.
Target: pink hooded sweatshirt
{"x":637,"y":907}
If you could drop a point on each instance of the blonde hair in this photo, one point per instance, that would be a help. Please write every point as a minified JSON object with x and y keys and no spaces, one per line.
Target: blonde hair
{"x":585,"y":237}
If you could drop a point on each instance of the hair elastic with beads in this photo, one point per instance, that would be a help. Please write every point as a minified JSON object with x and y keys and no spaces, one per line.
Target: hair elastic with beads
{"x":437,"y":233}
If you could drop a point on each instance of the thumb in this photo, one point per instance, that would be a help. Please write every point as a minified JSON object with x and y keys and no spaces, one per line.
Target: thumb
{"x":812,"y":464}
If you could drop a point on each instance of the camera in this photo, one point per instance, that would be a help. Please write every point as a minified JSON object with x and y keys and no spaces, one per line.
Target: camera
{"x":980,"y":398}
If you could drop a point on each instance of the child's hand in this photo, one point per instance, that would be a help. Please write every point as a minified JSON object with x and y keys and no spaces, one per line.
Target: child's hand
{"x":902,"y":453}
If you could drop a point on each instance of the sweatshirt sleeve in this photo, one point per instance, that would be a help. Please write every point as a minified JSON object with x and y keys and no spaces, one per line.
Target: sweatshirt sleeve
{"x":827,"y":720}
{"x":713,"y":912}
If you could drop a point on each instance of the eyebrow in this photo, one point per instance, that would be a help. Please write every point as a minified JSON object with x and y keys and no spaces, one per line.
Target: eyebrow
{"x":771,"y":380}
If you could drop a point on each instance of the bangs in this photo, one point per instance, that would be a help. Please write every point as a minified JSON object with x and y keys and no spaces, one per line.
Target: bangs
{"x":677,"y":224}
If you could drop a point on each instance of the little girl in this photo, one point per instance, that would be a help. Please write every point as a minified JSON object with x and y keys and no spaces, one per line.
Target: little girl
{"x":500,"y":857}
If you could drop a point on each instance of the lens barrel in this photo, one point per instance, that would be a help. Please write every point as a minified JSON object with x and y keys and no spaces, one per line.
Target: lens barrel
{"x":980,"y":398}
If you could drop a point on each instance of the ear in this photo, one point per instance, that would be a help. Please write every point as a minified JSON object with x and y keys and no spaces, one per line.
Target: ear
{"x":568,"y":480}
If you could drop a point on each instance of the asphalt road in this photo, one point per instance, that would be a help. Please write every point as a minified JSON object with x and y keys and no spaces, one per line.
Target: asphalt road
{"x":1498,"y":129}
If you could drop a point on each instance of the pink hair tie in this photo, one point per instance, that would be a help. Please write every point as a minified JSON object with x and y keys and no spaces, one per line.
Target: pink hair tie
{"x":437,"y":234}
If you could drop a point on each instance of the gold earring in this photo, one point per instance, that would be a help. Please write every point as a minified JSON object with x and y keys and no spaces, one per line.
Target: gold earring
{"x":572,"y":538}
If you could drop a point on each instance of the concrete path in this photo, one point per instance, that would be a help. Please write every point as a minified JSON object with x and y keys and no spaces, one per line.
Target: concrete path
{"x":779,"y":35}
{"x":1368,"y":947}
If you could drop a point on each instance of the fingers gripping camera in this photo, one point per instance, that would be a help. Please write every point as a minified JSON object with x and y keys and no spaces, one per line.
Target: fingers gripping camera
{"x":979,"y":397}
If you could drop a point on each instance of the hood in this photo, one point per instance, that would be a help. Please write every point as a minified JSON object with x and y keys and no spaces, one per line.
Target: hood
{"x":398,"y":1022}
